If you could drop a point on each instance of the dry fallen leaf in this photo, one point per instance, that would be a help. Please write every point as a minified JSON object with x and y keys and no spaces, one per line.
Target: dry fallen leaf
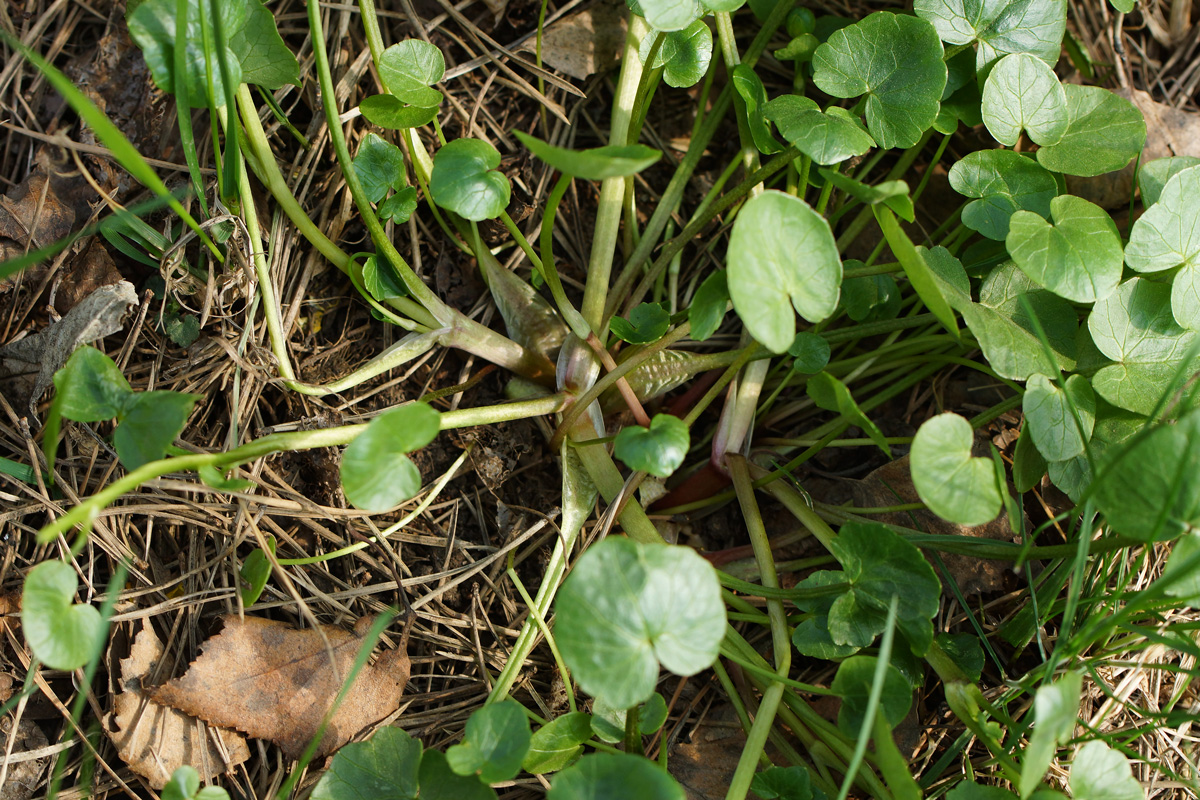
{"x":584,"y":43}
{"x":275,"y":682}
{"x":25,"y":768}
{"x":155,"y":740}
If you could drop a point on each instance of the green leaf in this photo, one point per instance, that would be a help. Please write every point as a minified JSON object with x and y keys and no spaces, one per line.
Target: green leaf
{"x":853,"y":682}
{"x":707,"y":310}
{"x":1167,"y":236}
{"x":1055,"y":708}
{"x":182,"y":329}
{"x":465,"y":182}
{"x":670,"y":15}
{"x":955,"y":485}
{"x":613,"y":775}
{"x":90,"y":387}
{"x":1187,"y":587}
{"x":1022,"y":93}
{"x":61,"y":634}
{"x":1004,"y":182}
{"x":766,"y":281}
{"x":400,"y":206}
{"x":832,"y":395}
{"x":217,"y":479}
{"x":1078,"y":257}
{"x":966,"y":652}
{"x":558,"y":743}
{"x":659,"y":449}
{"x":496,"y":741}
{"x":255,"y":572}
{"x":1049,"y":419}
{"x":596,"y":164}
{"x":1028,"y":465}
{"x":1100,"y":773}
{"x":800,"y":49}
{"x":897,"y":62}
{"x":608,"y":722}
{"x":653,"y":714}
{"x":1134,"y":324}
{"x":376,"y":474}
{"x":813,"y":638}
{"x":387,"y":111}
{"x":379,"y":166}
{"x":1113,"y":426}
{"x":754,"y":100}
{"x":382,"y":282}
{"x":439,"y":782}
{"x":879,"y":564}
{"x":827,"y":138}
{"x":1104,"y":133}
{"x":870,"y":297}
{"x":410,"y":68}
{"x":647,"y":323}
{"x":968,"y":790}
{"x":683,"y":55}
{"x":384,"y":766}
{"x":254,"y":48}
{"x":893,"y":194}
{"x":784,"y":783}
{"x":1152,"y":490}
{"x":150,"y":422}
{"x":666,"y":609}
{"x":810,"y":351}
{"x":185,"y":785}
{"x":1152,"y":177}
{"x":916,"y":268}
{"x":999,"y":26}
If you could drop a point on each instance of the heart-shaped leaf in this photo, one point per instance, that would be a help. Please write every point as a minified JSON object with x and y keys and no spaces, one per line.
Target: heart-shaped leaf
{"x":558,"y":743}
{"x":605,"y":775}
{"x":1005,"y":182}
{"x":400,"y":206}
{"x":464,"y":180}
{"x":410,"y":68}
{"x":870,"y":297}
{"x":783,"y":783}
{"x":954,"y":484}
{"x":827,"y":138}
{"x":496,"y":741}
{"x":766,"y":281}
{"x":1022,"y":93}
{"x":1134,"y":324}
{"x":1101,"y":773}
{"x":852,"y":684}
{"x":386,"y":765}
{"x":811,"y":352}
{"x":659,"y":449}
{"x":379,"y":166}
{"x":1152,"y":177}
{"x":376,"y":472}
{"x":897,"y":62}
{"x":1104,"y":133}
{"x":683,"y":55}
{"x":666,"y":609}
{"x":1167,"y":236}
{"x":647,"y":323}
{"x":1078,"y":257}
{"x":1049,"y":419}
{"x":439,"y":782}
{"x":62,"y":635}
{"x":149,"y":424}
{"x":999,"y":26}
{"x":90,"y":387}
{"x":388,"y":111}
{"x":754,"y":101}
{"x":596,"y":164}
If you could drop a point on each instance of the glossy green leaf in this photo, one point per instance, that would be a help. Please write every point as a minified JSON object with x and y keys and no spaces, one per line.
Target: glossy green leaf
{"x":386,"y":765}
{"x":659,"y":449}
{"x":964,"y":106}
{"x":61,"y":634}
{"x":783,"y":783}
{"x":1167,"y":236}
{"x":400,"y":206}
{"x":613,"y":775}
{"x":826,"y":138}
{"x":1079,"y":257}
{"x":754,"y":101}
{"x":608,"y":722}
{"x":670,"y":15}
{"x":832,"y":395}
{"x":439,"y":782}
{"x":254,"y":574}
{"x":708,"y":307}
{"x":683,"y":55}
{"x":464,"y":180}
{"x":1153,"y":176}
{"x":382,"y":282}
{"x":1022,"y":93}
{"x":410,"y":68}
{"x":495,"y":744}
{"x":870,"y":297}
{"x":558,"y":743}
{"x":149,"y":424}
{"x":185,"y":785}
{"x":1005,"y":182}
{"x":1151,"y":492}
{"x":1101,"y":773}
{"x":647,"y":323}
{"x":999,"y":26}
{"x":852,"y":684}
{"x":800,"y":21}
{"x":766,"y":281}
{"x":1104,"y":133}
{"x":379,"y":166}
{"x":387,"y":111}
{"x":90,"y":387}
{"x":813,"y":638}
{"x":811,"y":352}
{"x":1055,"y":709}
{"x":954,"y":484}
{"x":666,"y":609}
{"x":596,"y":164}
{"x":376,"y":474}
{"x":1049,"y":420}
{"x":897,"y":62}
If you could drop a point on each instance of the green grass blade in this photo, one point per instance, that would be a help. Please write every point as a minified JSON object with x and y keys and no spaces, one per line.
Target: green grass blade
{"x":918,"y":272}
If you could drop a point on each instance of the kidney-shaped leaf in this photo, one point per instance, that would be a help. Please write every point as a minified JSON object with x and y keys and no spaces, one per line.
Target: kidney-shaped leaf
{"x":410,"y":68}
{"x":825,"y":138}
{"x":897,"y":62}
{"x":496,"y":741}
{"x":464,"y":180}
{"x":683,"y":55}
{"x":665,"y":608}
{"x":1101,"y":773}
{"x":1134,"y":324}
{"x":376,"y":472}
{"x":610,"y":775}
{"x":670,"y":15}
{"x":1078,"y":257}
{"x":954,"y":484}
{"x":767,"y":280}
{"x":63,"y":635}
{"x":1168,"y":236}
{"x":853,"y":685}
{"x":387,"y":111}
{"x":1104,"y":133}
{"x":1000,"y":26}
{"x":1152,"y":177}
{"x":383,"y":766}
{"x":1005,"y":182}
{"x":659,"y":449}
{"x":1022,"y":93}
{"x":1050,"y":421}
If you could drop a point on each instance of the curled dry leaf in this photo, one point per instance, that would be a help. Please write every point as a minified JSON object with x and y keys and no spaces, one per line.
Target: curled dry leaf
{"x":155,"y":740}
{"x":275,"y":682}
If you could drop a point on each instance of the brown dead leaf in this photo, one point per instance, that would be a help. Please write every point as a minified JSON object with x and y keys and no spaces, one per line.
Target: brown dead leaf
{"x":155,"y":740}
{"x":891,"y":485}
{"x":25,"y":768}
{"x":44,"y":208}
{"x":88,"y":271}
{"x":275,"y":682}
{"x":586,"y":42}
